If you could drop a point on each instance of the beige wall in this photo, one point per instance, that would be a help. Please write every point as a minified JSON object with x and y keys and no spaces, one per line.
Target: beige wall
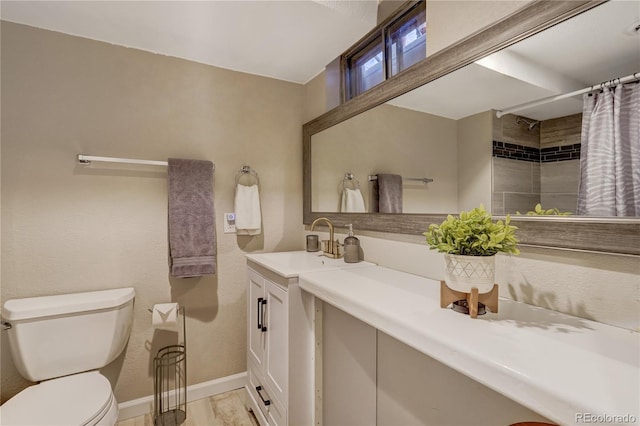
{"x":387,"y":7}
{"x":315,"y":97}
{"x":450,"y":21}
{"x":69,"y":228}
{"x":474,"y":161}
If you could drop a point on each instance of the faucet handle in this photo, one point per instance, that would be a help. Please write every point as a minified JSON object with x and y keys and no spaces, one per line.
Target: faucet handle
{"x":336,"y":249}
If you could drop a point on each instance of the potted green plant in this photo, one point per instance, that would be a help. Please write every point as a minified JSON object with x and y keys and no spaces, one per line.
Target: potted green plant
{"x":470,"y":242}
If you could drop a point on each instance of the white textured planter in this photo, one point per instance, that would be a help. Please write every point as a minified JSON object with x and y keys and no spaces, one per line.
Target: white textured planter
{"x":462,"y":273}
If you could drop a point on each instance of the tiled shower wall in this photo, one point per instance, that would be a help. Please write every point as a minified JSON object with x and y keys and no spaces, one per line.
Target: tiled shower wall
{"x":560,"y":162}
{"x":538,"y":165}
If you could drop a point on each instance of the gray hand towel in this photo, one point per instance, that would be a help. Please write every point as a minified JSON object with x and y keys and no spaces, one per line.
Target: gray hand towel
{"x":192,"y":228}
{"x":387,"y":191}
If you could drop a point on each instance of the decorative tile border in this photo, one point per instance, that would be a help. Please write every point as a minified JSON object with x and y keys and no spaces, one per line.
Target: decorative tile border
{"x":545,"y":155}
{"x":515,"y":152}
{"x":560,"y":153}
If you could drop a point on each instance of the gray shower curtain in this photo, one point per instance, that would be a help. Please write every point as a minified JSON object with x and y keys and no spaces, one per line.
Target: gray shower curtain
{"x":610,"y":153}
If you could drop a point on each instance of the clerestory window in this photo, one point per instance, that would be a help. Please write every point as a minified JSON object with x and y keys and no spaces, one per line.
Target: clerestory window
{"x":390,"y":48}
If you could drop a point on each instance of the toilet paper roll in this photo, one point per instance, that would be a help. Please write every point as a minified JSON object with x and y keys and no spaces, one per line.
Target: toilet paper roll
{"x":165,"y":316}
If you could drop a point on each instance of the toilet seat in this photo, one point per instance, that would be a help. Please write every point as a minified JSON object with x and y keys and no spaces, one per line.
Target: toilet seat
{"x":84,"y":399}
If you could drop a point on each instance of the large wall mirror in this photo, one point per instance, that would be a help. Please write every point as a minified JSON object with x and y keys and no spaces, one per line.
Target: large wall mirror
{"x":436,"y":126}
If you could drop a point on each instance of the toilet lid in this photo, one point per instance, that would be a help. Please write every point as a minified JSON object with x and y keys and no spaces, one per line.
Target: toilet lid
{"x":79,"y":399}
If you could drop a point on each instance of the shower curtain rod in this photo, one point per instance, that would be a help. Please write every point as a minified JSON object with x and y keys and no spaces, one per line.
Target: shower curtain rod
{"x":614,"y":82}
{"x":87,"y":159}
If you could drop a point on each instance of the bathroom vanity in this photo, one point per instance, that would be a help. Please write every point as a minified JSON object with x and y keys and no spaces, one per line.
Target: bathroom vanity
{"x":337,"y":343}
{"x":554,"y":366}
{"x":281,"y":336}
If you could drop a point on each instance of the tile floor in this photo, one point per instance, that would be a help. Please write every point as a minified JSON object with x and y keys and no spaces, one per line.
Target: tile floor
{"x":225,"y":409}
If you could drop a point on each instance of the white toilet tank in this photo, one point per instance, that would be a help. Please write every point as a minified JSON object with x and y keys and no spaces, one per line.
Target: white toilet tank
{"x":55,"y":336}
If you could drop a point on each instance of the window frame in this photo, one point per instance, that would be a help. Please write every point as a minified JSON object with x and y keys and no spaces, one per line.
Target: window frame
{"x":410,"y":15}
{"x":351,"y":73}
{"x":377,"y":36}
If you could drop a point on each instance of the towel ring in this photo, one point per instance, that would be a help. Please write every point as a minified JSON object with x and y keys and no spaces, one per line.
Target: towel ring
{"x":350,"y":179}
{"x":247,"y":171}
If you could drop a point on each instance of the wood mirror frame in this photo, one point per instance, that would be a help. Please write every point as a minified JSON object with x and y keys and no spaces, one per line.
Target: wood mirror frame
{"x":612,"y":235}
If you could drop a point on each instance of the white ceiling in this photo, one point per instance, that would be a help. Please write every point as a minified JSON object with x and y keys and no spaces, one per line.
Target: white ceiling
{"x":287,"y":40}
{"x":593,"y":47}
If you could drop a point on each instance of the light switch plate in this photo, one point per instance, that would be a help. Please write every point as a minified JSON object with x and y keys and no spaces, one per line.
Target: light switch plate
{"x":229,"y":223}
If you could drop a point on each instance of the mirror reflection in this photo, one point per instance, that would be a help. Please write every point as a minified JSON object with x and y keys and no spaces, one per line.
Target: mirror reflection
{"x":448,"y":131}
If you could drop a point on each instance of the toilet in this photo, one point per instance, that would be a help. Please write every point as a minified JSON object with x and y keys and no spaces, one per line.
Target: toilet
{"x":60,"y":341}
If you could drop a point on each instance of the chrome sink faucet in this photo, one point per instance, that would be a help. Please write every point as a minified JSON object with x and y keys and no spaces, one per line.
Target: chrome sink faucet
{"x":330,"y":247}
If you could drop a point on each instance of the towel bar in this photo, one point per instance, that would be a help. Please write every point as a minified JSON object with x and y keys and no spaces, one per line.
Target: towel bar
{"x":87,"y":159}
{"x":423,"y":180}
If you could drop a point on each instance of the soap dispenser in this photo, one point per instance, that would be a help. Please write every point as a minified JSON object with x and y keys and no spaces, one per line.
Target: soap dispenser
{"x":351,"y":247}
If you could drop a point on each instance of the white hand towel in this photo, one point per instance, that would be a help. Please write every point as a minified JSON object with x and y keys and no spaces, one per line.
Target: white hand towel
{"x":247,"y":209}
{"x":352,"y":201}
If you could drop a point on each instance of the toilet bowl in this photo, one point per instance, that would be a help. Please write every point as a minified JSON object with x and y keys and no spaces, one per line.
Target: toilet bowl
{"x":60,"y":341}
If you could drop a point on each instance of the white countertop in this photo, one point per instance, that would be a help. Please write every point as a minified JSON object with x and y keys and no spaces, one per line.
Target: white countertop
{"x":555,"y":364}
{"x":290,"y":264}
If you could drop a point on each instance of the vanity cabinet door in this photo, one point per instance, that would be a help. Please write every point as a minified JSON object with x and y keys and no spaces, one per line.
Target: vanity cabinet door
{"x":267,"y":351}
{"x":277,"y":346}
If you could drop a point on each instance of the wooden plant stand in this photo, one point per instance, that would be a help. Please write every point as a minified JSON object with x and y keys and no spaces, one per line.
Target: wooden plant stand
{"x":490,"y":299}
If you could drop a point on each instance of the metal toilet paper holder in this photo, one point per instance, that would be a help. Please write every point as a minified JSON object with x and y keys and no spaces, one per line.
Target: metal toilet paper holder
{"x":170,"y":380}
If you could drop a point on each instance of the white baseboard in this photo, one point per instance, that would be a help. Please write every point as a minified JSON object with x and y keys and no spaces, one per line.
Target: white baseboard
{"x":144,"y":405}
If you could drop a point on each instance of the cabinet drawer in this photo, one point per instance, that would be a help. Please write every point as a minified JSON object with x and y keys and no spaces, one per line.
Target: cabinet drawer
{"x":255,"y":380}
{"x":252,"y":405}
{"x":276,"y":413}
{"x":265,"y":398}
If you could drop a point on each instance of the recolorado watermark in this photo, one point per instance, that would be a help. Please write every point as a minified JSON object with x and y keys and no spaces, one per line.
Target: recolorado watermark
{"x":606,"y":418}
